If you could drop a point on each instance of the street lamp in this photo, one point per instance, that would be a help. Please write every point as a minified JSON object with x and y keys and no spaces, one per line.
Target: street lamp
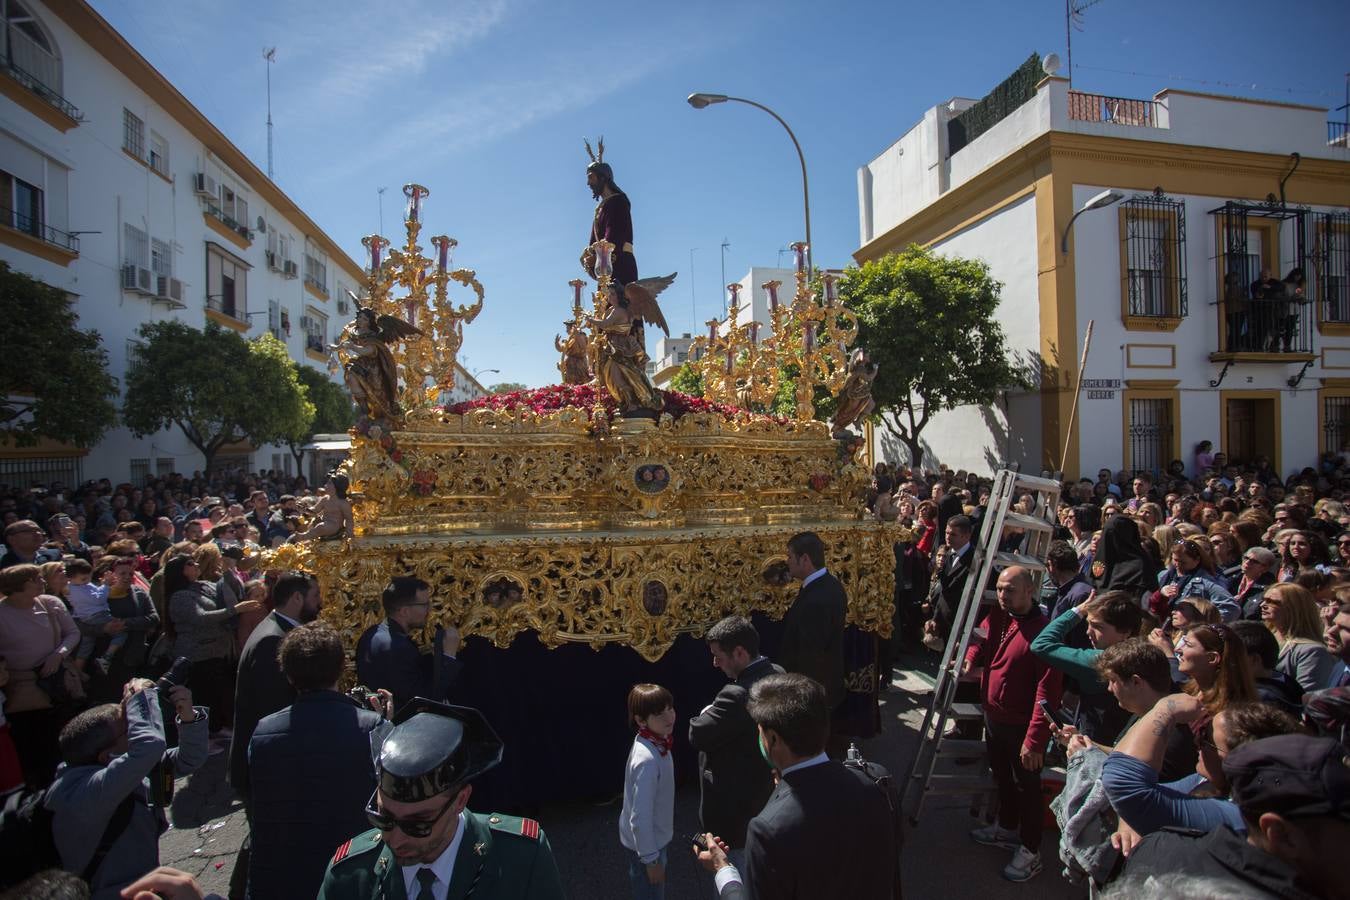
{"x":1101,"y":201}
{"x":475,"y":373}
{"x":701,"y":100}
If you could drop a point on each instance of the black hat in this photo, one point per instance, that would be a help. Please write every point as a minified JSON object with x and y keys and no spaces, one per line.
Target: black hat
{"x":433,"y":748}
{"x":1290,"y":774}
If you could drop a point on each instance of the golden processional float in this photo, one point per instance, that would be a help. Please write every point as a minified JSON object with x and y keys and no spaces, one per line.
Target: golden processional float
{"x":565,"y":511}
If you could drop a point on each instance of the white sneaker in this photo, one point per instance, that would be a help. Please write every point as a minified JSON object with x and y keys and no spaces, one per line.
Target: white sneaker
{"x":996,"y":835}
{"x":1025,"y":865}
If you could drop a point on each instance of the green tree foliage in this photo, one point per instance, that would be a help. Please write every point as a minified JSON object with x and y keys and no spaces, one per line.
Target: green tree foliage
{"x":333,"y":411}
{"x":506,"y":387}
{"x":688,"y":380}
{"x":215,"y":386}
{"x":928,"y":320}
{"x":54,"y":380}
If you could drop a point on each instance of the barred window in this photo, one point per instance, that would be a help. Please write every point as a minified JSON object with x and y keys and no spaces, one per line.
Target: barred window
{"x":1154,"y":235}
{"x":161,"y":259}
{"x":1333,"y":269}
{"x":159,"y":154}
{"x":140,"y":472}
{"x":135,"y":247}
{"x":133,"y":134}
{"x":1150,"y":431}
{"x":1335,"y":423}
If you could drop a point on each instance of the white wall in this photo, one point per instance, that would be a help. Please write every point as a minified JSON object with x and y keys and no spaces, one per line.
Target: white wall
{"x":981,"y":438}
{"x":107,"y":188}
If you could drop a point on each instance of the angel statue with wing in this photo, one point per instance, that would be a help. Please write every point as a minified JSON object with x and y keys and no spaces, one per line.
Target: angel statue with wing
{"x":620,"y":344}
{"x":369,"y":368}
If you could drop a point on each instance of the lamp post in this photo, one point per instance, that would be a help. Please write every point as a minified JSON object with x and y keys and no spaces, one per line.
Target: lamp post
{"x":1101,"y":201}
{"x":701,"y":100}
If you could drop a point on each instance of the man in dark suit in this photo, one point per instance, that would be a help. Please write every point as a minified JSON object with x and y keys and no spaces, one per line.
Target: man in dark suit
{"x":387,"y":658}
{"x":944,"y":594}
{"x":261,"y":689}
{"x":813,"y":630}
{"x":734,"y":780}
{"x":312,"y":770}
{"x":827,"y":830}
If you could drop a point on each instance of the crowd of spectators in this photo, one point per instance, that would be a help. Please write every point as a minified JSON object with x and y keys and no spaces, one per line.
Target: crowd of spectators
{"x":1191,"y":639}
{"x":1198,"y":619}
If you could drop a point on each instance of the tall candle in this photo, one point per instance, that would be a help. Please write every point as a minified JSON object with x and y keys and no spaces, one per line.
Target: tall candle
{"x":754,"y":333}
{"x":799,"y":254}
{"x":712,"y":330}
{"x":830,"y":295}
{"x":731,"y":362}
{"x":809,"y":337}
{"x":772,"y":288}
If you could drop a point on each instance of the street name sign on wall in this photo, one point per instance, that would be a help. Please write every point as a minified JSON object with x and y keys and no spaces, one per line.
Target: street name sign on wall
{"x":1101,"y":388}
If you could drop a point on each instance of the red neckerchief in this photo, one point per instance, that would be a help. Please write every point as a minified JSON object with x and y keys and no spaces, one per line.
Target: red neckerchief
{"x":662,"y":743}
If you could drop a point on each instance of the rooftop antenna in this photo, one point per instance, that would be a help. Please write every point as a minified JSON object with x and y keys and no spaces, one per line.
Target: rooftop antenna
{"x":1073,"y":18}
{"x":269,"y":54}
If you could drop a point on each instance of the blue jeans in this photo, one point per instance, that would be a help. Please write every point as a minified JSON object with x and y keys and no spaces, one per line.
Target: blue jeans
{"x":637,"y":874}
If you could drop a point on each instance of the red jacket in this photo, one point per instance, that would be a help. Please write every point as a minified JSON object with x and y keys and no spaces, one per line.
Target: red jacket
{"x":1014,"y":679}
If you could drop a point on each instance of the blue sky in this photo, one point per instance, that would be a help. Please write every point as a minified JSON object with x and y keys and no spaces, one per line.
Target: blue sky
{"x":486,"y":103}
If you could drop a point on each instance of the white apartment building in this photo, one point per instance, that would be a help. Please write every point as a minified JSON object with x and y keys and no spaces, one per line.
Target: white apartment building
{"x":1183,"y":348}
{"x":114,"y":188}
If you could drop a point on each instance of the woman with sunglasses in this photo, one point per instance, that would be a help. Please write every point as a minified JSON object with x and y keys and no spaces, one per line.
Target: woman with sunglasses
{"x":204,"y":614}
{"x":1258,"y":574}
{"x":1227,"y":556}
{"x":1191,"y":575}
{"x":1291,"y":613}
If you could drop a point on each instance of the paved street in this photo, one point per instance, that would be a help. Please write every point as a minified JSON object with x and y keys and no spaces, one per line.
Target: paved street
{"x":939,"y":859}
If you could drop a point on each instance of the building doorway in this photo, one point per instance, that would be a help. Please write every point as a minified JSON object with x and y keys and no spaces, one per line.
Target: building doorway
{"x":1251,"y":428}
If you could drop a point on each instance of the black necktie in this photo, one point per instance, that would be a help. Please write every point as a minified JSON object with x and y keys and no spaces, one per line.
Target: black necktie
{"x":426,"y":878}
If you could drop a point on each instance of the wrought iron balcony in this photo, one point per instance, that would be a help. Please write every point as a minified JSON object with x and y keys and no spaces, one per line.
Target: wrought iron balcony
{"x":36,"y":85}
{"x":315,"y":342}
{"x":29,"y":225}
{"x":227,"y":307}
{"x":228,"y":220}
{"x":1266,"y":325}
{"x":1113,"y":110}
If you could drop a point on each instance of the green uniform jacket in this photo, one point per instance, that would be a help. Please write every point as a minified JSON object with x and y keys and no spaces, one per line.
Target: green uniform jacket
{"x":500,"y":858}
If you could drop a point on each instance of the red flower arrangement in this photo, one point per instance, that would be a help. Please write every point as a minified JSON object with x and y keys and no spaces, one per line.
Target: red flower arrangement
{"x":546,"y":400}
{"x":424,"y":481}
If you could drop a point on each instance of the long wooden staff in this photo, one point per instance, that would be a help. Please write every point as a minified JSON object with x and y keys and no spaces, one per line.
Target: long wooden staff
{"x":1078,"y":389}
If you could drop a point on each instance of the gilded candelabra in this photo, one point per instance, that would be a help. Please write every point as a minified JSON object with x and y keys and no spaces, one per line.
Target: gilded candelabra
{"x":740,"y":369}
{"x":426,"y":361}
{"x":827,"y":329}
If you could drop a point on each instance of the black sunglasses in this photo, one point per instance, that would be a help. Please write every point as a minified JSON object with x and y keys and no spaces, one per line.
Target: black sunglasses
{"x":416,"y":828}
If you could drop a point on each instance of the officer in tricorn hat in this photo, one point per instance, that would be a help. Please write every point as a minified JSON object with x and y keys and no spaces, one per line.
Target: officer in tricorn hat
{"x":426,"y":844}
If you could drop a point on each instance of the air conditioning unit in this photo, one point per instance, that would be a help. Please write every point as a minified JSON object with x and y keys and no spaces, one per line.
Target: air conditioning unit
{"x":205,"y":185}
{"x":140,"y":280}
{"x":170,"y":289}
{"x":290,"y":269}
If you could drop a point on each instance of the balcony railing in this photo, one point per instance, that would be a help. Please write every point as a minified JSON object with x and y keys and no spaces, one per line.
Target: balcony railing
{"x":315,"y":342}
{"x":1113,"y":110}
{"x":317,"y":284}
{"x":229,"y":221}
{"x":227,"y":308}
{"x":36,"y":85}
{"x":29,"y":225}
{"x":1280,"y":325}
{"x":1338,"y":134}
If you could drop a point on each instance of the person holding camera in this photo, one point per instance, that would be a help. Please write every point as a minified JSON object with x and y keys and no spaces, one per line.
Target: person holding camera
{"x":387,"y":657}
{"x":310,"y":769}
{"x":107,"y":802}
